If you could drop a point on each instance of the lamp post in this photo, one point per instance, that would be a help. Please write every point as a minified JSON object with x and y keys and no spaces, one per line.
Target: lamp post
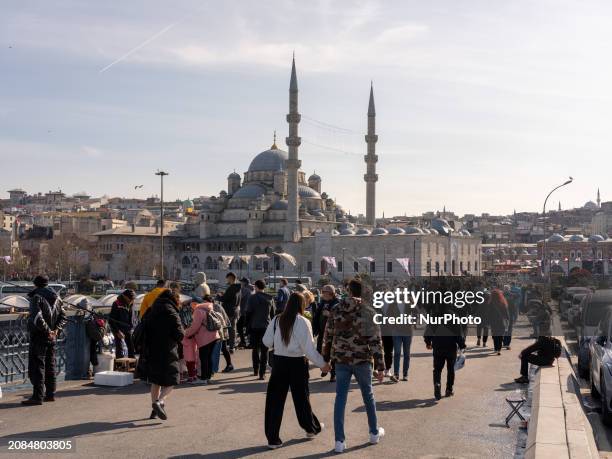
{"x":161,"y":175}
{"x":567,"y":182}
{"x":343,"y":266}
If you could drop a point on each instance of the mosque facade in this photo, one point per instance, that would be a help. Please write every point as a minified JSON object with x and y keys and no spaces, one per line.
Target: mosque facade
{"x":273,"y":220}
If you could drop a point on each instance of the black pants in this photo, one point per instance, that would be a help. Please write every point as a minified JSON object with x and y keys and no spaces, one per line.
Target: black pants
{"x":232,"y":332}
{"x":482,"y":331}
{"x":226,"y":353}
{"x":206,"y":360}
{"x":441,"y":357}
{"x":259,"y":352}
{"x":497,"y":342}
{"x":388,"y":351}
{"x":533,"y":359}
{"x":41,"y":367}
{"x":93,"y":352}
{"x":240,"y":325}
{"x":288,"y":372}
{"x":127,"y":336}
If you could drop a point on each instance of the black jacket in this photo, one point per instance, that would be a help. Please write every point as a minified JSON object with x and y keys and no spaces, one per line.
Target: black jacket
{"x":444,"y":337}
{"x":320,"y":315}
{"x":120,"y":317}
{"x":164,"y":334}
{"x":229,"y":300}
{"x":259,"y":311}
{"x":544,"y":346}
{"x":46,"y":314}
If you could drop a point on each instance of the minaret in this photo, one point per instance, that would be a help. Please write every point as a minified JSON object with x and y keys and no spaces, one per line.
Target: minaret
{"x":292,"y":228}
{"x":598,"y":198}
{"x":371,"y":159}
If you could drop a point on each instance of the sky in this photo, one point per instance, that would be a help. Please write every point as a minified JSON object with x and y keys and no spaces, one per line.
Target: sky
{"x":482,"y":106}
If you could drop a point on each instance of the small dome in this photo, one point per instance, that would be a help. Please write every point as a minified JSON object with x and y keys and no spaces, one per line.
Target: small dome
{"x":379,"y":231}
{"x":524,"y":252}
{"x":346,"y":225}
{"x":556,"y":238}
{"x":596,"y":238}
{"x":281,"y":204}
{"x":250,"y":191}
{"x":188,"y":204}
{"x":466,"y":233}
{"x":314,"y":178}
{"x":307,"y":192}
{"x":234,"y":175}
{"x":413,"y":230}
{"x":347,"y":232}
{"x":490,"y":252}
{"x":316,"y":213}
{"x":363,"y":232}
{"x":590,"y":205}
{"x":442,"y":226}
{"x":426,"y":231}
{"x":576,"y":238}
{"x":396,"y":230}
{"x":335,"y":232}
{"x":269,"y":160}
{"x":433,"y":231}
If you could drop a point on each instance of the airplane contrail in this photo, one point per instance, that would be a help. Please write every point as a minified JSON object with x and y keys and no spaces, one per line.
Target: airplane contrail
{"x":144,"y":43}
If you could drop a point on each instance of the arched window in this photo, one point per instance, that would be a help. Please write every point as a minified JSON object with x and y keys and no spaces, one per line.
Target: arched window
{"x":208,"y":264}
{"x":579,"y":254}
{"x":437,"y":265}
{"x":469,"y":266}
{"x":572,"y":255}
{"x":356,"y":266}
{"x":186,"y":261}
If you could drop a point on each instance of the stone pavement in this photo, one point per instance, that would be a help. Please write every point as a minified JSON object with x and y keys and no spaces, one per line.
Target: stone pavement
{"x":225,"y":420}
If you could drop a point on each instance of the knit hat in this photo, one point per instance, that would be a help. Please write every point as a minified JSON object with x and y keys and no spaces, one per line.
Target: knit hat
{"x":41,"y":281}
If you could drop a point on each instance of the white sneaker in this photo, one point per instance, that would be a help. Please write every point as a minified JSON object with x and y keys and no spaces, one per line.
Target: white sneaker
{"x":312,"y":434}
{"x":274,"y":446}
{"x":387,"y":373}
{"x":374,"y":439}
{"x":340,"y":447}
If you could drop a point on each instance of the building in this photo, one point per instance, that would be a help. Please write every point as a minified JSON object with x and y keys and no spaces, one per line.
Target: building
{"x":272,"y":219}
{"x":566,"y":252}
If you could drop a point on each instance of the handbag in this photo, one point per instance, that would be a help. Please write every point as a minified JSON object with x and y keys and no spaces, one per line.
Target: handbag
{"x":271,"y":349}
{"x":460,"y":361}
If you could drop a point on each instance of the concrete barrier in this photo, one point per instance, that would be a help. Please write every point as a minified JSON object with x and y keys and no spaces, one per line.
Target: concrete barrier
{"x":558,"y":427}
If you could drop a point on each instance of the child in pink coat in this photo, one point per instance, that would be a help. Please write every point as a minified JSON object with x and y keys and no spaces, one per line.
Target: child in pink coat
{"x":204,"y":339}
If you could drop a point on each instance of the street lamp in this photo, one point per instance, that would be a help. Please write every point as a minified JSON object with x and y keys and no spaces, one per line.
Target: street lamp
{"x":161,"y":175}
{"x":567,"y":182}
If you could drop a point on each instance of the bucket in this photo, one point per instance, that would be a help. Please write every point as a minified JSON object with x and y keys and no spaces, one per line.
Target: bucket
{"x":106,"y":362}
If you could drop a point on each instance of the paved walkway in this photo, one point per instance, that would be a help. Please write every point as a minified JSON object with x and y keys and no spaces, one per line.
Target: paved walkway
{"x":225,"y":420}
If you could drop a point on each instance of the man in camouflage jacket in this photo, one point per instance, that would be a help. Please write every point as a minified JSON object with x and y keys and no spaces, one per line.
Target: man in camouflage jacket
{"x":352,"y":341}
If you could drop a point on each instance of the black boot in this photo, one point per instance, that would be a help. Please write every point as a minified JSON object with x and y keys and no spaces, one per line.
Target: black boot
{"x":437,"y":391}
{"x":449,"y":392}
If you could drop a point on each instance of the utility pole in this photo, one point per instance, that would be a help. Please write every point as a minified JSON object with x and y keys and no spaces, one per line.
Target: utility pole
{"x":161,"y":174}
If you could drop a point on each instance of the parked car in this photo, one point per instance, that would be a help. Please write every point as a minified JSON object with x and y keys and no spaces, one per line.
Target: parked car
{"x":575,"y":310}
{"x":595,"y":308}
{"x":601,"y":366}
{"x":567,"y":298}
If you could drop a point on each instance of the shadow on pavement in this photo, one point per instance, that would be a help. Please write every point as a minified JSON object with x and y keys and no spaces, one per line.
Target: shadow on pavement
{"x":400,"y":405}
{"x":243,"y":452}
{"x":332,"y":453}
{"x":85,"y":428}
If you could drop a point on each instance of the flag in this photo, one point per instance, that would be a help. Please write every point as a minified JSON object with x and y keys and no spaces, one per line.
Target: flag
{"x":286,"y":257}
{"x":7,"y":259}
{"x":225,"y":261}
{"x":331,"y":261}
{"x":246,"y":258}
{"x":405,"y":264}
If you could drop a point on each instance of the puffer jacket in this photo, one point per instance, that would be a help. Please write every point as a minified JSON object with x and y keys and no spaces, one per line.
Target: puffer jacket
{"x":197,"y":329}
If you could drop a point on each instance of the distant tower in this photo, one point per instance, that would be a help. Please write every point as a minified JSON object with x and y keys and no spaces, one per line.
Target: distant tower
{"x":559,"y":206}
{"x":314,"y":182}
{"x":371,"y":159}
{"x":233,"y":183}
{"x":598,"y":198}
{"x":292,"y":229}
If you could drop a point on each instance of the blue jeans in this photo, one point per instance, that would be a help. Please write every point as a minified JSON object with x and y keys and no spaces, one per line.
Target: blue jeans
{"x":216,"y":356}
{"x":401,"y":343}
{"x":363,"y":375}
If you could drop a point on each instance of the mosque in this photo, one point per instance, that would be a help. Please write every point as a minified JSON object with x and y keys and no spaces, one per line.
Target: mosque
{"x":272,"y":219}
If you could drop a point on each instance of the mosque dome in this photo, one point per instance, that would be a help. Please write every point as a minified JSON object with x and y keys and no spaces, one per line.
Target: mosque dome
{"x":590,"y":205}
{"x":307,"y":192}
{"x":314,"y":178}
{"x":556,"y":238}
{"x":281,"y":204}
{"x":250,"y":191}
{"x":396,"y":230}
{"x":413,"y":230}
{"x":347,"y":232}
{"x":596,"y":238}
{"x":442,"y":226}
{"x":433,"y":231}
{"x":188,"y":204}
{"x":362,"y":232}
{"x":234,"y":175}
{"x":379,"y":231}
{"x":576,"y":238}
{"x":269,"y":160}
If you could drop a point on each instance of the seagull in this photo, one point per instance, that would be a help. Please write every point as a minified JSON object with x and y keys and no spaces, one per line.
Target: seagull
{"x":138,"y":186}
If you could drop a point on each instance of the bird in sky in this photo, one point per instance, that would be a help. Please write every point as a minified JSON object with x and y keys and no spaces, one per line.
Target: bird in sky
{"x":138,"y":186}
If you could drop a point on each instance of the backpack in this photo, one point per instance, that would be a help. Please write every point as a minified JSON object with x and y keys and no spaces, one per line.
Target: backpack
{"x":214,"y":321}
{"x":95,"y":329}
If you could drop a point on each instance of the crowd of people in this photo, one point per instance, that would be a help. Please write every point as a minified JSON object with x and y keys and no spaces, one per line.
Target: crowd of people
{"x":183,"y":341}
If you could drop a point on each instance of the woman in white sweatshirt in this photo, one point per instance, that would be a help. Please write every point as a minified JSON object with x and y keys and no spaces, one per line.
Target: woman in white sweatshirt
{"x":290,"y":334}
